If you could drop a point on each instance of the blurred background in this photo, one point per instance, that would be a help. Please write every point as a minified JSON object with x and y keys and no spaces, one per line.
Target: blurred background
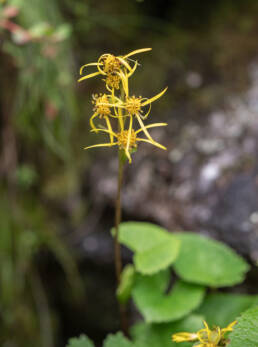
{"x":56,"y":200}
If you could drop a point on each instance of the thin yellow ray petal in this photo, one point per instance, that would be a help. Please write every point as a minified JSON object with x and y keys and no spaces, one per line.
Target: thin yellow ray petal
{"x":124,"y":62}
{"x":111,"y":136}
{"x":117,"y":98}
{"x":184,"y":336}
{"x":133,"y":69}
{"x":102,"y":145}
{"x":128,"y":139}
{"x":229,"y":327}
{"x":211,"y":335}
{"x":102,"y":72}
{"x":154,"y":143}
{"x":121,"y":118}
{"x":141,"y":50}
{"x":143,"y":127}
{"x":124,"y":80}
{"x":129,"y":157}
{"x":109,"y":89}
{"x":148,"y":112}
{"x":114,"y":98}
{"x":89,"y":64}
{"x":154,"y":97}
{"x":92,"y":123}
{"x":206,"y":325}
{"x":88,"y":76}
{"x":154,"y":125}
{"x":203,"y":332}
{"x":105,"y":131}
{"x":116,"y":113}
{"x":110,"y":105}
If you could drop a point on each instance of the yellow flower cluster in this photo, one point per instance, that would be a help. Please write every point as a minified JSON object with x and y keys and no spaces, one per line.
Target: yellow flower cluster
{"x":119,"y":112}
{"x":207,"y":337}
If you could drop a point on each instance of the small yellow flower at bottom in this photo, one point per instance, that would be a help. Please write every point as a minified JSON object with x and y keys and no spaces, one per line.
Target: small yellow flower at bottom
{"x":207,"y":337}
{"x":182,"y":337}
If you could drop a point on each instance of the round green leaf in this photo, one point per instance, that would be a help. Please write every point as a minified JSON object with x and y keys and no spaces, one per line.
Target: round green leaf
{"x":117,"y":340}
{"x":245,"y":333}
{"x":157,"y":258}
{"x":205,"y":261}
{"x":220,"y":309}
{"x":82,"y":341}
{"x":140,"y":236}
{"x":155,"y":248}
{"x":157,"y":306}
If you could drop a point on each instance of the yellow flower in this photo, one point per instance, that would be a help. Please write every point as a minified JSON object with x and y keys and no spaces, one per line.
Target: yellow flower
{"x":102,"y":109}
{"x":207,"y":337}
{"x":133,"y":107}
{"x":116,"y":71}
{"x":101,"y":104}
{"x":127,"y":139}
{"x":123,"y":139}
{"x":110,"y":66}
{"x":113,"y":81}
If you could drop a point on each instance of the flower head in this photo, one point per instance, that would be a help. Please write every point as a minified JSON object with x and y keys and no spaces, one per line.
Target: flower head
{"x":124,"y":138}
{"x":119,"y":112}
{"x":112,"y":81}
{"x":110,"y":65}
{"x":207,"y":337}
{"x":101,"y":104}
{"x":134,"y":105}
{"x":127,"y":140}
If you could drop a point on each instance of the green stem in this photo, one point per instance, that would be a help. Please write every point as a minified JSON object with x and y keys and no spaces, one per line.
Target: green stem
{"x":118,"y":258}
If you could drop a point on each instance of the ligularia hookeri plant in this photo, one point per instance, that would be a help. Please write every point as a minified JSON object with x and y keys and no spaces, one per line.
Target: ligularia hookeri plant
{"x":122,"y":117}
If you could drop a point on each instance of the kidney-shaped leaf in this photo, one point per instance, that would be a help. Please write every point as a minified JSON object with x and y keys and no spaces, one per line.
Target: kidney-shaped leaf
{"x":82,"y":341}
{"x":140,"y":236}
{"x":155,"y":248}
{"x":205,"y":261}
{"x":117,"y":340}
{"x":157,"y":306}
{"x":158,"y":257}
{"x":245,"y":333}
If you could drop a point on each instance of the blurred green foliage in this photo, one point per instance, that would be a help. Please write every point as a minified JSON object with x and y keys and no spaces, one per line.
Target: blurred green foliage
{"x":38,"y":109}
{"x":43,"y":103}
{"x":24,"y":233}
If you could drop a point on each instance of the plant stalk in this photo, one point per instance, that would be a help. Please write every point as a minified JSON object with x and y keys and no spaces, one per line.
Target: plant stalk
{"x":118,"y":258}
